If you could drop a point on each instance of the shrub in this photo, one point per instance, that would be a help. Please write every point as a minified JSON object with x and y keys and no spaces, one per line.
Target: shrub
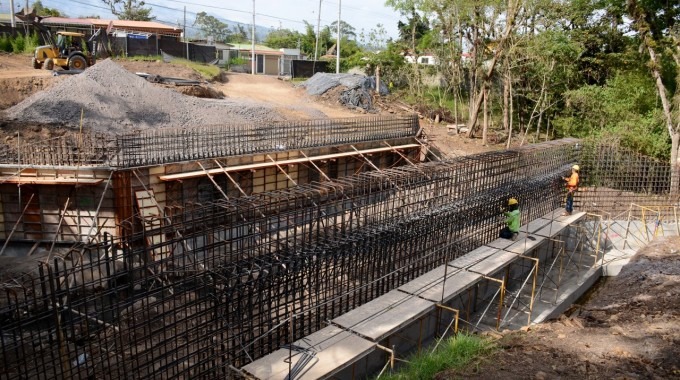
{"x":18,"y":44}
{"x":31,"y":42}
{"x":5,"y":44}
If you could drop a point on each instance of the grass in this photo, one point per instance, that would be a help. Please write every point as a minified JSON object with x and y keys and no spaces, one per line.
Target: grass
{"x":206,"y":71}
{"x":452,"y":354}
{"x":141,"y":58}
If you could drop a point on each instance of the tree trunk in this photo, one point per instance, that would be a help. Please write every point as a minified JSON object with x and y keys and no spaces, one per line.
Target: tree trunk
{"x":506,"y":102}
{"x":486,"y":123}
{"x":511,"y":117}
{"x":675,"y":165}
{"x":474,"y":111}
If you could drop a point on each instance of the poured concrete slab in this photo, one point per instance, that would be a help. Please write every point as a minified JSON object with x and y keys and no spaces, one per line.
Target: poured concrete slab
{"x":328,"y":351}
{"x":534,"y":225}
{"x":492,"y":264}
{"x":522,"y":246}
{"x":473,"y":257}
{"x":569,"y":219}
{"x":432,"y":286}
{"x":552,"y":229}
{"x":501,"y":243}
{"x":384,"y":315}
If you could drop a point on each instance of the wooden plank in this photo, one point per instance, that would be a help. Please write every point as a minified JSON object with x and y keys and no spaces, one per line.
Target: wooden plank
{"x":51,"y":181}
{"x":150,"y":213}
{"x":384,"y":315}
{"x":328,"y":351}
{"x":262,"y":165}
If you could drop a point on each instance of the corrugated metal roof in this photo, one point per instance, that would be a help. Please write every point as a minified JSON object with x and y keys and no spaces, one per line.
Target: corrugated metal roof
{"x":102,"y":23}
{"x":66,"y":20}
{"x":127,"y":24}
{"x":257,"y":47}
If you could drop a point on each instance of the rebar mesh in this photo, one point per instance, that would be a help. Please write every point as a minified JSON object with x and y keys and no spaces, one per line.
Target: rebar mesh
{"x":223,"y":284}
{"x":167,"y":145}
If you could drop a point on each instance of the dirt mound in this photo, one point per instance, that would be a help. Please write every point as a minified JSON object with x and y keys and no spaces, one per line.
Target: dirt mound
{"x":14,"y":90}
{"x":201,"y":92}
{"x":115,"y":100}
{"x":354,"y":91}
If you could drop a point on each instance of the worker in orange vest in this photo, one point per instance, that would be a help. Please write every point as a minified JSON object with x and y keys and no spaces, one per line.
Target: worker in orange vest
{"x":572,"y":186}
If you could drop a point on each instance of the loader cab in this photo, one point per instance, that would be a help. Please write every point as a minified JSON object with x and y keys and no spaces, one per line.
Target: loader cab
{"x":68,"y":42}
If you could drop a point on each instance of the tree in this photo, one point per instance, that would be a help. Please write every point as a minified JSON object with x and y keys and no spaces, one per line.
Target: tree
{"x":411,"y":31}
{"x":41,"y":10}
{"x":655,"y":22}
{"x":133,"y":10}
{"x":283,"y":38}
{"x":238,"y":35}
{"x":210,"y":26}
{"x":346,"y":30}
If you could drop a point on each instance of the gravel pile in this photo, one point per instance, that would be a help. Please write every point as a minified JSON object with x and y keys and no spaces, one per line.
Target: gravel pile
{"x":357,"y":89}
{"x":115,"y":100}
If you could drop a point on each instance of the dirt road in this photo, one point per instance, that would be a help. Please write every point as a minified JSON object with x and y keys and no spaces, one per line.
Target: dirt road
{"x":290,"y":100}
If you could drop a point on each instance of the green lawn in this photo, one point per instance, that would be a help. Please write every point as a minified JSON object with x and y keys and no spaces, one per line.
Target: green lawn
{"x":453,"y":353}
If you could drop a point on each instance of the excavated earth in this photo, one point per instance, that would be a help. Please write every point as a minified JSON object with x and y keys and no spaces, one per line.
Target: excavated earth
{"x":627,"y":328}
{"x":114,"y":100}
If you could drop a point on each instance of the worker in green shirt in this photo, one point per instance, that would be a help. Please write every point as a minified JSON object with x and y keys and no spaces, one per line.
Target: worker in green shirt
{"x":512,"y":218}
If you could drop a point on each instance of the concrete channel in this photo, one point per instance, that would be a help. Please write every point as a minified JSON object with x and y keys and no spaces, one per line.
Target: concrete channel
{"x":501,"y":285}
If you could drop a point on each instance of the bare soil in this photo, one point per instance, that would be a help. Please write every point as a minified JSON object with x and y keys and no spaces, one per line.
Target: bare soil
{"x":627,"y":328}
{"x":288,"y":99}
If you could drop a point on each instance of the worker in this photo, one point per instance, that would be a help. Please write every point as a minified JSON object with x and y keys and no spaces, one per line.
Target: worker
{"x":512,"y":220}
{"x":572,"y":186}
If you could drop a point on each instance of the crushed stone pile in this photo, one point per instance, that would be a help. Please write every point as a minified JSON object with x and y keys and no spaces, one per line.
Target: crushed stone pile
{"x":116,"y":100}
{"x":357,"y":89}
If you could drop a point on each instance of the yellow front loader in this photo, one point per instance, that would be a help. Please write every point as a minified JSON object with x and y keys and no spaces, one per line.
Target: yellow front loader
{"x":69,"y":52}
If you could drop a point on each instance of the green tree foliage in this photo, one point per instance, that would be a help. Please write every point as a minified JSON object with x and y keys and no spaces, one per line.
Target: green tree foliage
{"x":413,"y":31}
{"x":210,"y":26}
{"x":624,"y":110}
{"x":238,"y":35}
{"x":346,"y":30}
{"x":133,"y":10}
{"x":41,"y":10}
{"x":283,"y":38}
{"x":605,"y":68}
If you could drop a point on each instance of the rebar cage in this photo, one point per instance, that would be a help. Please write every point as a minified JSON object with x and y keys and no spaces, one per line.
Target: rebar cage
{"x":214,"y":287}
{"x":166,"y":145}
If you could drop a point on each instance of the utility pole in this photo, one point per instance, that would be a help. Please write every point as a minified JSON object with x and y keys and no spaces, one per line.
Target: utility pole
{"x":337,"y":43}
{"x":252,"y":47}
{"x":11,"y":14}
{"x":318,"y":25}
{"x":186,"y":40}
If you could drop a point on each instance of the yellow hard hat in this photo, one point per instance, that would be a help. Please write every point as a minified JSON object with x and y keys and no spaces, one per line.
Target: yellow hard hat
{"x":576,"y":167}
{"x":512,"y":201}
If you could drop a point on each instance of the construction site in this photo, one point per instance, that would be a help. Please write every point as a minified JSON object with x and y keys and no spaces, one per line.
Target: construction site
{"x":152,"y":235}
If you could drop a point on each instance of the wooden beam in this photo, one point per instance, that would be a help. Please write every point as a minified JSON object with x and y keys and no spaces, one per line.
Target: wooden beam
{"x":51,"y":181}
{"x":262,"y":165}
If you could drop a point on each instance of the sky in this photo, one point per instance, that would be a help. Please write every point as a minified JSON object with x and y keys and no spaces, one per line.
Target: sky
{"x":361,"y":14}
